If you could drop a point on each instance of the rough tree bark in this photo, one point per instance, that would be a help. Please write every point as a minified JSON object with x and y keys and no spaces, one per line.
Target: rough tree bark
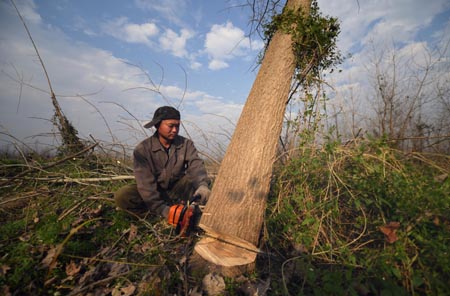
{"x":233,"y":216}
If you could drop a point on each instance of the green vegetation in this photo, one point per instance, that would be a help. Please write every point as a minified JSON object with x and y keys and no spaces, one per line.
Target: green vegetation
{"x":323,"y":233}
{"x":61,"y":236}
{"x":314,"y":39}
{"x":361,"y":219}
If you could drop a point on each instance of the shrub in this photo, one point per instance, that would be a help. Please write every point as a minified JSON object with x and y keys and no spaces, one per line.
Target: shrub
{"x":361,"y":219}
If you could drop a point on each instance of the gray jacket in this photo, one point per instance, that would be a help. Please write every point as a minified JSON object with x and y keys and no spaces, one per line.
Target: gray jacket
{"x":156,"y":170}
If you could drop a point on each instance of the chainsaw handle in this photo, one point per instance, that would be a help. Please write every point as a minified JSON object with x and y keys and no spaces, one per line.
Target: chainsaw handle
{"x":194,"y":198}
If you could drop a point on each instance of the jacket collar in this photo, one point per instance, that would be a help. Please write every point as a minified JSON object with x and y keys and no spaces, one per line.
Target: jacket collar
{"x":156,"y":145}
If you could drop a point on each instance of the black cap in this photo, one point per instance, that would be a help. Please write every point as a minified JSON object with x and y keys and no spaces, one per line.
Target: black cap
{"x":162,"y":113}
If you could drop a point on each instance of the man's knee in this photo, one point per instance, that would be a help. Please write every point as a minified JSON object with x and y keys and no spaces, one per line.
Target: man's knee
{"x":128,"y":199}
{"x":125,"y":195}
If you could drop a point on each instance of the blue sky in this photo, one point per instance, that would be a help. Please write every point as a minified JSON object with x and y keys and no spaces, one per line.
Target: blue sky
{"x":194,"y":52}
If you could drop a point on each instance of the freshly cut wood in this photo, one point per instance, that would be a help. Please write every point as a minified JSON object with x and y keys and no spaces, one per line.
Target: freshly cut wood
{"x":223,"y":253}
{"x":225,"y":250}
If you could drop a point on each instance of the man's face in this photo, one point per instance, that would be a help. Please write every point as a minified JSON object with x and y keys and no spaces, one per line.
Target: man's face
{"x":169,"y":128}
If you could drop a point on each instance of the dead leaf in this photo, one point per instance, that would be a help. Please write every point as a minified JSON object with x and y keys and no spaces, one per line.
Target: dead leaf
{"x":103,"y":251}
{"x":118,"y":268}
{"x":123,"y":291}
{"x":87,"y":276}
{"x":183,"y":260}
{"x":133,"y":233}
{"x":26,"y":237}
{"x":50,"y":281}
{"x":441,"y":178}
{"x":4,"y":269}
{"x":72,"y":269}
{"x":116,"y":292}
{"x":389,"y":230}
{"x":97,"y":211}
{"x":213,"y":284}
{"x":48,"y":260}
{"x":151,"y":283}
{"x":129,"y":290}
{"x":137,"y":249}
{"x":436,"y":221}
{"x":5,"y":291}
{"x":146,"y":246}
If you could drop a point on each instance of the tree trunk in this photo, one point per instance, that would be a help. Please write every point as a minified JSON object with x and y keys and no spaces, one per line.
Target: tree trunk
{"x":234,"y":214}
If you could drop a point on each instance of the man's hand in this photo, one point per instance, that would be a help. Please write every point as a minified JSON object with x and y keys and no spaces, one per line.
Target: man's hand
{"x":204,"y":192}
{"x":181,"y":216}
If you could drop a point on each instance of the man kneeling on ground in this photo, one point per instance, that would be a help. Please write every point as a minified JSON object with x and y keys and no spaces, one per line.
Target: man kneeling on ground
{"x":168,"y":173}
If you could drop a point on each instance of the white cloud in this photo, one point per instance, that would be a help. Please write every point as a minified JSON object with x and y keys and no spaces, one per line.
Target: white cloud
{"x":370,"y":27}
{"x":100,"y":75}
{"x":382,"y":22}
{"x":121,"y":29}
{"x":175,"y":43}
{"x":77,"y":68}
{"x":92,"y":71}
{"x":195,"y":65}
{"x":140,"y":33}
{"x":216,"y":64}
{"x":149,"y":35}
{"x":226,"y":42}
{"x":26,"y":8}
{"x":172,"y":10}
{"x":417,"y":53}
{"x":80,"y":24}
